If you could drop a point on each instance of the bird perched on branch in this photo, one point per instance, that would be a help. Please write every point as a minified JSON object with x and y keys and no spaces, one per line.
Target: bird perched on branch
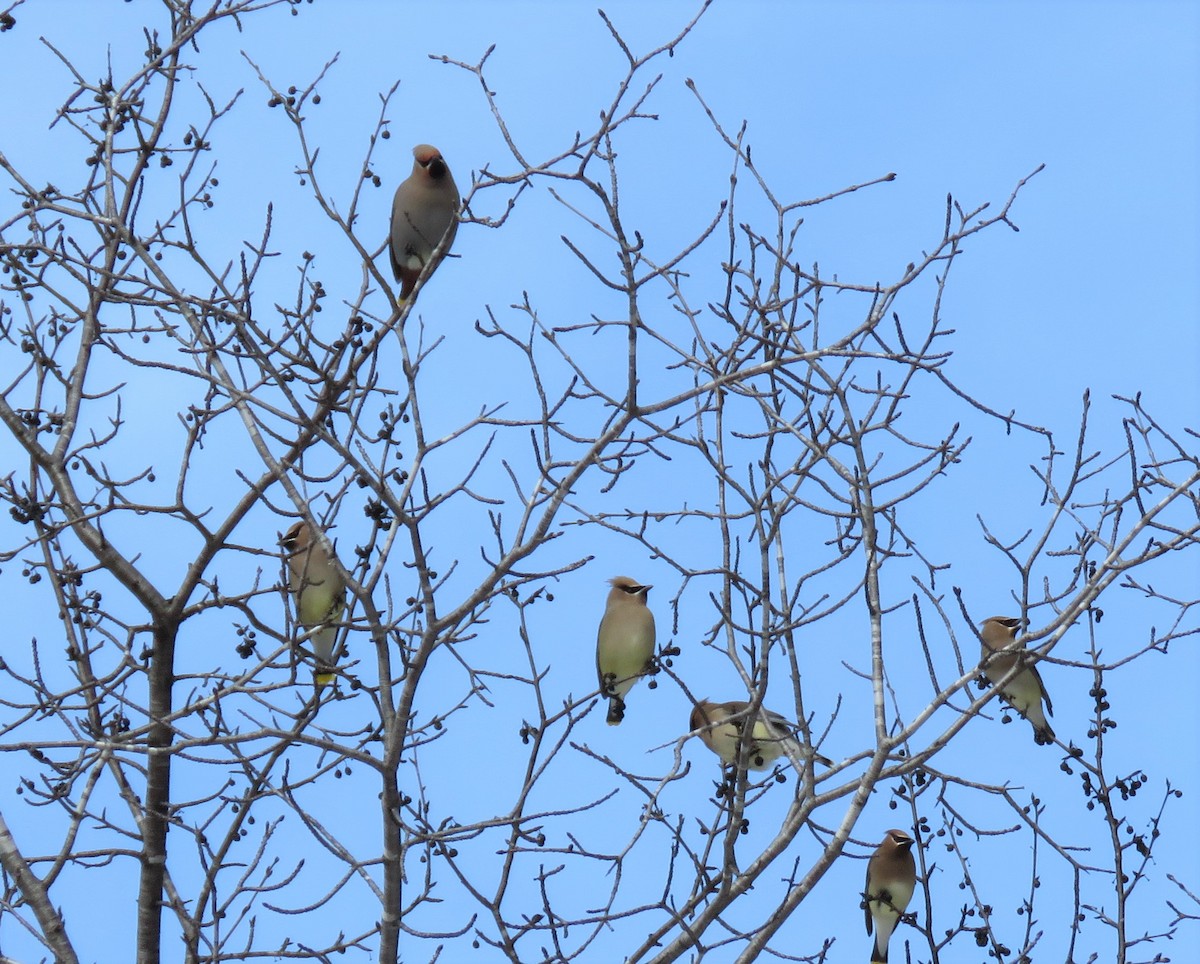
{"x":891,"y":880}
{"x":424,"y":218}
{"x":1025,"y":692}
{"x":624,"y":644}
{"x":720,"y":726}
{"x":318,"y":592}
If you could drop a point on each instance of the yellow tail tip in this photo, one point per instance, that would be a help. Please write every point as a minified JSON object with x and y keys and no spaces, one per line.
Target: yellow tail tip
{"x":323,"y":679}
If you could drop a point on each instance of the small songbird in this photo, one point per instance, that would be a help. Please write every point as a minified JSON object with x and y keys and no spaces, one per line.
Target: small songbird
{"x":318,"y":592}
{"x":624,"y":644}
{"x":424,"y":218}
{"x":891,"y":879}
{"x":720,"y":727}
{"x":1025,"y":691}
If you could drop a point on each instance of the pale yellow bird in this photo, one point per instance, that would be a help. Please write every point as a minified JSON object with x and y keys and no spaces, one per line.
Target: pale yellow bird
{"x":318,"y":592}
{"x":720,"y":727}
{"x":624,"y":644}
{"x":891,"y":880}
{"x":424,"y":218}
{"x":1025,"y":692}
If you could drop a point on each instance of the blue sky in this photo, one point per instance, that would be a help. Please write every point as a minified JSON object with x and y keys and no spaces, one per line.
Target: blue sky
{"x":1097,"y":291}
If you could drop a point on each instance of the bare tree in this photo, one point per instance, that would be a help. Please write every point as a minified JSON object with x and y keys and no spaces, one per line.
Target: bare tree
{"x":773,"y":441}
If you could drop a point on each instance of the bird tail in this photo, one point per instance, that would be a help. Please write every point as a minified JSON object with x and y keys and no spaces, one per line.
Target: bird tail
{"x":322,"y":643}
{"x":616,"y":711}
{"x":793,"y":745}
{"x":1042,"y":733}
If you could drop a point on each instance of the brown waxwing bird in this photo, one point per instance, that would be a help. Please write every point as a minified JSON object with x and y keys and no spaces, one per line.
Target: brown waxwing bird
{"x":318,"y":592}
{"x":891,"y":879}
{"x":1025,"y":691}
{"x":424,"y":218}
{"x":720,"y":727}
{"x":624,"y":644}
